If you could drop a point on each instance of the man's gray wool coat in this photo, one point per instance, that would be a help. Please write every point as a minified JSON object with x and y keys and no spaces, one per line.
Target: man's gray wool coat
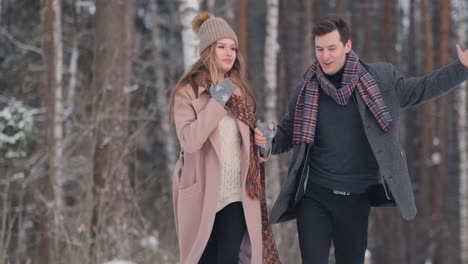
{"x":398,"y":92}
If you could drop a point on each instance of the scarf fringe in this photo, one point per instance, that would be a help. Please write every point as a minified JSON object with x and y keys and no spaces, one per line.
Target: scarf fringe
{"x":253,"y":185}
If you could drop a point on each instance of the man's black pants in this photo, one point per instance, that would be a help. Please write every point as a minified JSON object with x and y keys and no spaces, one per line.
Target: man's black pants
{"x":226,"y":237}
{"x":323,"y":216}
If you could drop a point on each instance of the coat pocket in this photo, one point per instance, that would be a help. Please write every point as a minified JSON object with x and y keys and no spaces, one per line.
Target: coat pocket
{"x":188,"y":174}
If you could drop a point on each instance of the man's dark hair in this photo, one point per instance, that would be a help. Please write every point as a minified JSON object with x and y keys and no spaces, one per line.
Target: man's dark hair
{"x":329,"y":23}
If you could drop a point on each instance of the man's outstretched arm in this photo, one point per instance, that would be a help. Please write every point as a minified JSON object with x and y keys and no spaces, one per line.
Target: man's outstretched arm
{"x":416,"y":90}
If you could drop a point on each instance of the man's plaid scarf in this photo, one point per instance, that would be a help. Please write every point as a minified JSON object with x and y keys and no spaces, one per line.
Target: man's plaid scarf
{"x":354,"y":75}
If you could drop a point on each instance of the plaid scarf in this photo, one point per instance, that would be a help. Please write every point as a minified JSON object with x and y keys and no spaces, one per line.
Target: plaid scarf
{"x":354,"y":75}
{"x":242,"y":109}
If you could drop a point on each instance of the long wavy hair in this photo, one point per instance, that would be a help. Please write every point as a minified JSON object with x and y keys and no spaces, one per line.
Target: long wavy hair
{"x":207,"y":64}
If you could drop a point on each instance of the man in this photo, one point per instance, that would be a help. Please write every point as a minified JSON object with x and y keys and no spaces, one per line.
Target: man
{"x":342,"y":125}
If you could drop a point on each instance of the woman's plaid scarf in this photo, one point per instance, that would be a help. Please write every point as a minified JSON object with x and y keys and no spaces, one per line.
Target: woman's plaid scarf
{"x":354,"y":75}
{"x":243,"y":110}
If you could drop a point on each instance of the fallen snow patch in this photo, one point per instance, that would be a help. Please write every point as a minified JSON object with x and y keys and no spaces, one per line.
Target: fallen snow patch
{"x":119,"y":262}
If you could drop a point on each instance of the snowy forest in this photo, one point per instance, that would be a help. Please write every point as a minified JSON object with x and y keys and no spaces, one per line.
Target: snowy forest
{"x":87,"y":152}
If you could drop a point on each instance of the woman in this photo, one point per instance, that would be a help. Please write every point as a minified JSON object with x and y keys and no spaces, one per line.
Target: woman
{"x":218,"y":190}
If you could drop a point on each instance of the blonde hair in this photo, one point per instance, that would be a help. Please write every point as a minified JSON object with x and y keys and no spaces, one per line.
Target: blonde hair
{"x":207,"y":63}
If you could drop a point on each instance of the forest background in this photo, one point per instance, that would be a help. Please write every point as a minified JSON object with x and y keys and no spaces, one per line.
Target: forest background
{"x":87,"y":155}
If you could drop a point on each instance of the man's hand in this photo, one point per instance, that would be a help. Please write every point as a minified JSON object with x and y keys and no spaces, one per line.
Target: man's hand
{"x":260,"y":139}
{"x":264,"y":134}
{"x":463,"y":56}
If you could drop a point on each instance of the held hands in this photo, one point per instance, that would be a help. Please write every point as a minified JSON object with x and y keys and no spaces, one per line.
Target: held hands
{"x":463,"y":56}
{"x":222,"y":91}
{"x":264,"y":134}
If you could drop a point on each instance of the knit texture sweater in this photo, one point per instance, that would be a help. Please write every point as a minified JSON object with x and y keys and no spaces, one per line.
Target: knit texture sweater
{"x":230,"y":188}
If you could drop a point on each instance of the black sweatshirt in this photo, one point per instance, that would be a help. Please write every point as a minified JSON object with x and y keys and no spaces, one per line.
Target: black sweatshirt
{"x":341,"y":157}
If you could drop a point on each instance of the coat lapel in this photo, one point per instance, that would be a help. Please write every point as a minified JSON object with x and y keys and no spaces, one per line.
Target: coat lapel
{"x":215,"y":140}
{"x":245,"y":135}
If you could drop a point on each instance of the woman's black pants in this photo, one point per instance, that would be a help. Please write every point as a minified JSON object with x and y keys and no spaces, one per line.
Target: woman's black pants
{"x":226,"y":237}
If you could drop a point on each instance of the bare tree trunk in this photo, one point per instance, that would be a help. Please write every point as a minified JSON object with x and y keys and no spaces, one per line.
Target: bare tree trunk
{"x":208,"y":5}
{"x":308,"y":47}
{"x":271,"y":55}
{"x":411,"y":37}
{"x":462,"y":131}
{"x":188,"y":10}
{"x":162,"y":94}
{"x":338,"y":8}
{"x":356,"y":22}
{"x":318,"y":9}
{"x":427,"y":134}
{"x":53,"y":57}
{"x":73,"y":69}
{"x":369,"y":32}
{"x":412,"y":143}
{"x":292,"y":36}
{"x":389,"y":241}
{"x":112,"y":78}
{"x":390,"y":30}
{"x":270,"y":62}
{"x":6,"y":221}
{"x":442,"y":147}
{"x":230,"y":15}
{"x":244,"y":31}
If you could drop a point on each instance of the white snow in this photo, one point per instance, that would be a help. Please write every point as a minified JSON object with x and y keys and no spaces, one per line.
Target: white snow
{"x":119,"y":262}
{"x":436,"y":157}
{"x":150,"y":242}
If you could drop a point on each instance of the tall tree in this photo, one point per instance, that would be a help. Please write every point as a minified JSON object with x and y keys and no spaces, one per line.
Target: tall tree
{"x":112,"y":78}
{"x":427,"y":119}
{"x":389,"y":32}
{"x":369,"y":54}
{"x":462,"y":133}
{"x":271,"y":53}
{"x":270,"y":63}
{"x":412,"y":142}
{"x":308,"y":15}
{"x":295,"y":55}
{"x":442,"y":147}
{"x":162,"y":89}
{"x":243,"y":30}
{"x":161,"y":45}
{"x":338,"y":7}
{"x":229,"y":14}
{"x":188,"y":10}
{"x":53,"y":58}
{"x":389,"y":241}
{"x":208,"y":5}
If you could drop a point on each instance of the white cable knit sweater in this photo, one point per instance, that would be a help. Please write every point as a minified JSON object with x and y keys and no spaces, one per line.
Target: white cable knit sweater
{"x":231,"y":187}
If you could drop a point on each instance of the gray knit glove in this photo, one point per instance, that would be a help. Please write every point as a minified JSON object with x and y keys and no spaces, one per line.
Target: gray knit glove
{"x":222,"y":91}
{"x":268,"y":133}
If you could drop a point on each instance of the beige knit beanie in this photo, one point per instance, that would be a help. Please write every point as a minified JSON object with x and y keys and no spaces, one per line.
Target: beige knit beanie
{"x":211,"y":29}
